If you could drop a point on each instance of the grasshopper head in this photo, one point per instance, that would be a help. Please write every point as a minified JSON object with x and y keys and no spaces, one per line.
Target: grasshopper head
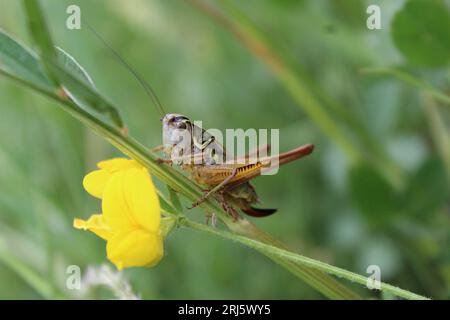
{"x":175,"y":127}
{"x":173,"y":121}
{"x":183,"y":138}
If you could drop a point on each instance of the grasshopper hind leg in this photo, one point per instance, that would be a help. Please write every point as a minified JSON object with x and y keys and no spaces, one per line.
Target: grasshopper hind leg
{"x":226,"y":206}
{"x":214,"y":190}
{"x":230,"y":210}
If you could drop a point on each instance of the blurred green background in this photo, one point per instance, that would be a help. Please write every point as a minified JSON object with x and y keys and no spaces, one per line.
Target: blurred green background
{"x":390,"y":208}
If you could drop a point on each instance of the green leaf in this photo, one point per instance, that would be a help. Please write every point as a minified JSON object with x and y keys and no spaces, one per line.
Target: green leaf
{"x":77,"y":71}
{"x":84,"y":92}
{"x":37,"y":27}
{"x":23,"y":64}
{"x":420,"y":31}
{"x":62,"y":75}
{"x":81,"y":88}
{"x":71,"y":65}
{"x":427,"y":190}
{"x":20,"y":61}
{"x":372,"y":194}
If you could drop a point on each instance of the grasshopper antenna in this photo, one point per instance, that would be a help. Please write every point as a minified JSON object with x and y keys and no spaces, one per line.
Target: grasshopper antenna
{"x":148,"y":89}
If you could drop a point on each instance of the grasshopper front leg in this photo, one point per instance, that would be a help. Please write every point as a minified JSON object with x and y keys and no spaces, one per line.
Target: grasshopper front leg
{"x":159,"y":159}
{"x":157,"y":148}
{"x":215,"y":189}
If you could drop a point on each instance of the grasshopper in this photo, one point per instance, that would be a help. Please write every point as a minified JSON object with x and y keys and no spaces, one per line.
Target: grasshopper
{"x":229,"y":183}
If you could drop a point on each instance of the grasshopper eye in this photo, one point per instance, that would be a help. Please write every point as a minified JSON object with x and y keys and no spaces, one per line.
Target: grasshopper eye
{"x":181,"y":125}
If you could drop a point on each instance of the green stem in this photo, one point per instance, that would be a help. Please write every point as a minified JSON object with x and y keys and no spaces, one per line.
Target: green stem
{"x":297,"y":258}
{"x":316,"y":278}
{"x":411,"y":80}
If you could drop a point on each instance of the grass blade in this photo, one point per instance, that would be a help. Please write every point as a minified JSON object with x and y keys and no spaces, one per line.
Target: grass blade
{"x":297,"y":258}
{"x":37,"y":27}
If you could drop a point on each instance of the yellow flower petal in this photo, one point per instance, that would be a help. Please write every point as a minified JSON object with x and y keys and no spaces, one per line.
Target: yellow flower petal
{"x":94,"y":183}
{"x":130,"y":201}
{"x":142,"y":199}
{"x":115,"y":209}
{"x":135,"y":248}
{"x":117,"y":164}
{"x":96,"y":224}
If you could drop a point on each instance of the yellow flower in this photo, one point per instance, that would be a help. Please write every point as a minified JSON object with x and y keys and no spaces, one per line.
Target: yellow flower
{"x":130,"y":222}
